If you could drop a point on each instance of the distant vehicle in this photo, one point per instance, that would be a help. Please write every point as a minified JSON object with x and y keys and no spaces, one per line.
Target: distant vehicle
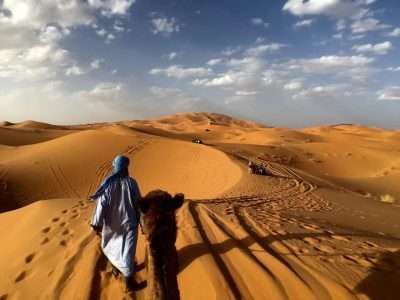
{"x":197,"y":141}
{"x":256,"y":169}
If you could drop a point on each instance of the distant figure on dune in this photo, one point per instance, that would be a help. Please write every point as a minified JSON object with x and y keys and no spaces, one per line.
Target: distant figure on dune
{"x":256,"y":169}
{"x":117,"y":218}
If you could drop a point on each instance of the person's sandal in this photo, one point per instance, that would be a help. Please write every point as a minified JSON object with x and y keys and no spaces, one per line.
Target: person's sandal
{"x":131,"y":285}
{"x":115,"y":271}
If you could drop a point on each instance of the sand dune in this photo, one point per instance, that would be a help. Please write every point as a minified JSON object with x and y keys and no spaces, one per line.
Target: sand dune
{"x":316,"y":228}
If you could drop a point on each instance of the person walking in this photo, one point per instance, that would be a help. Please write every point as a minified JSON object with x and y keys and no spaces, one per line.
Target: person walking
{"x":117,"y":218}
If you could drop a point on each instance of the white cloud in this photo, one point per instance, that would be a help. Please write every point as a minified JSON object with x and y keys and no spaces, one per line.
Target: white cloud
{"x":393,"y":69}
{"x":338,"y":36}
{"x":165,"y":26}
{"x":334,"y":91}
{"x":395,"y":32}
{"x":165,"y":92}
{"x":112,"y":7}
{"x":37,"y":62}
{"x":214,"y":61}
{"x":259,"y":22}
{"x":245,"y":93}
{"x":389,"y":93}
{"x":179,"y":72}
{"x":172,"y":55}
{"x":366,"y":25}
{"x":327,"y":64}
{"x":261,"y":49}
{"x":336,"y":8}
{"x":96,"y":64}
{"x":378,"y":49}
{"x":52,"y":34}
{"x":230,"y":51}
{"x":223,"y":80}
{"x":303,"y":23}
{"x":118,"y":26}
{"x":110,"y":37}
{"x":105,"y":90}
{"x":74,"y":71}
{"x":242,"y":74}
{"x":293,"y":86}
{"x":101,"y":32}
{"x":341,"y":25}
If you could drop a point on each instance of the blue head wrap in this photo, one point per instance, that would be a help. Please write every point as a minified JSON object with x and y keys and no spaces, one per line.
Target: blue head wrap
{"x":120,"y":167}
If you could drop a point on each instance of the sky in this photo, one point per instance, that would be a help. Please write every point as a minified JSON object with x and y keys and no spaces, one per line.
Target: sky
{"x":291,"y":63}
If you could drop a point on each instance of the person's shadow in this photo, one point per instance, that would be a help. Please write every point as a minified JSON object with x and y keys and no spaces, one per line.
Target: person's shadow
{"x":383,"y":283}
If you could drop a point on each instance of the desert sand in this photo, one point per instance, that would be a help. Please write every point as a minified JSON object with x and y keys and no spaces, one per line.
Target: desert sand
{"x":323,"y":225}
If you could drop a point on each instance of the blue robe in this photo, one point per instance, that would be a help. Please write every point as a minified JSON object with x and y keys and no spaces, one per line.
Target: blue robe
{"x":117,"y":214}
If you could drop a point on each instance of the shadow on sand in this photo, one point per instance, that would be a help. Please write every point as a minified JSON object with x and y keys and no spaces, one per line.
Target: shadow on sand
{"x":382,"y":283}
{"x":384,"y":280}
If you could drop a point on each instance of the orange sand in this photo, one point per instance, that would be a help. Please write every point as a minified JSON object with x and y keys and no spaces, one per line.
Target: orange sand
{"x":323,"y":226}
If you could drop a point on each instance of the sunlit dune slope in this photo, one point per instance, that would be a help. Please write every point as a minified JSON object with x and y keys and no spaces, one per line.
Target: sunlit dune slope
{"x":74,"y":165}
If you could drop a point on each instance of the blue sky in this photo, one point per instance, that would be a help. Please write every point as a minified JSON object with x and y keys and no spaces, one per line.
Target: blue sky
{"x":284,"y":63}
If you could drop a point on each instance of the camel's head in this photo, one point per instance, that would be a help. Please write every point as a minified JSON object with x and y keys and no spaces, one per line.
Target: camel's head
{"x":159,"y":202}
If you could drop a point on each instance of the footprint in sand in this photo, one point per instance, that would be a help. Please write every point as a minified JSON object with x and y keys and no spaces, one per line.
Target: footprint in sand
{"x":311,"y":241}
{"x":55,"y":220}
{"x":21,"y":276}
{"x":74,"y":216}
{"x":29,"y":258}
{"x":4,"y":297}
{"x":63,"y":243}
{"x":64,"y":211}
{"x":324,"y":248}
{"x":358,"y":260}
{"x":65,"y":232}
{"x":367,"y":245}
{"x":44,"y":241}
{"x":340,"y":238}
{"x":311,"y":227}
{"x":46,"y":229}
{"x":62,"y":224}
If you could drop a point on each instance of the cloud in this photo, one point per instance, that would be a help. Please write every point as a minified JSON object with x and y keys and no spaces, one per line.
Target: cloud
{"x":366,"y":25}
{"x":335,"y":8}
{"x":261,"y":49}
{"x":377,"y":49}
{"x":329,"y":91}
{"x":165,"y":26}
{"x":179,"y":72}
{"x":38,"y":14}
{"x":74,"y":71}
{"x":259,"y":22}
{"x":389,"y":93}
{"x":37,"y":62}
{"x":104,"y":91}
{"x":226,"y":79}
{"x":172,"y":55}
{"x":52,"y":34}
{"x":214,"y":61}
{"x":96,"y":64}
{"x":165,"y":92}
{"x":393,"y":69}
{"x":328,"y":64}
{"x":395,"y":32}
{"x":112,"y":7}
{"x":245,"y":93}
{"x":293,"y":86}
{"x":303,"y":23}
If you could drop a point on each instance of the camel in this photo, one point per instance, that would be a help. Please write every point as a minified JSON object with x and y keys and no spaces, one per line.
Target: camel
{"x":159,"y":225}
